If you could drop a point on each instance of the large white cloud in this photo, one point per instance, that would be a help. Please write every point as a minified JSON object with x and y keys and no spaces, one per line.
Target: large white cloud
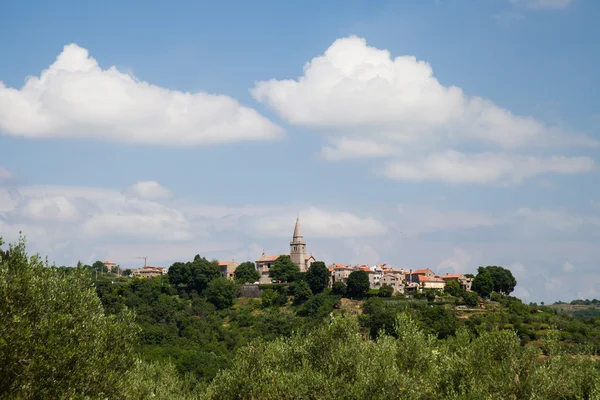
{"x":75,"y":97}
{"x":370,"y":105}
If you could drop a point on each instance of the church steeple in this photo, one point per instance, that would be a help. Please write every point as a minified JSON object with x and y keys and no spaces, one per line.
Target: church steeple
{"x":298,"y":248}
{"x":298,"y":238}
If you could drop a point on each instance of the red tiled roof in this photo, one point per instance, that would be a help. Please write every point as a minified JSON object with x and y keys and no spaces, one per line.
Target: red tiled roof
{"x":451,"y":276}
{"x":269,"y":258}
{"x":423,"y":278}
{"x":420,"y":271}
{"x":224,"y":263}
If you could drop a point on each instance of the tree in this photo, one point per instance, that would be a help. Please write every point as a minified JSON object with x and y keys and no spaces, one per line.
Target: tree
{"x":302,"y":292}
{"x":246,"y":272}
{"x":483,"y":283}
{"x":469,"y":276}
{"x":99,"y":266}
{"x":284,"y":269}
{"x":470,"y":298}
{"x":386,"y":291}
{"x":317,"y":277}
{"x":338,"y":288}
{"x":358,"y":284}
{"x":453,"y":288}
{"x":221,"y":293}
{"x":179,"y":273}
{"x":196,"y":275}
{"x":56,"y":340}
{"x":504,"y":281}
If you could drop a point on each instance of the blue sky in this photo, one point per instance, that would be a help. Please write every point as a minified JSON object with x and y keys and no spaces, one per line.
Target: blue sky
{"x":440,"y":134}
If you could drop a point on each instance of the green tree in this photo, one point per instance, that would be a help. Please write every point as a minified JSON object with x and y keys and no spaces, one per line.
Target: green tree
{"x":202,"y":272}
{"x":284,"y":269}
{"x":302,"y":292}
{"x":483,"y":283}
{"x":55,"y":339}
{"x":246,"y":272}
{"x":453,"y":288}
{"x":338,"y":288}
{"x":221,"y":292}
{"x":386,"y":291}
{"x":99,"y":266}
{"x":179,"y":273}
{"x":470,"y":298}
{"x":504,"y":281}
{"x":469,"y":276}
{"x":317,"y":277}
{"x":358,"y":283}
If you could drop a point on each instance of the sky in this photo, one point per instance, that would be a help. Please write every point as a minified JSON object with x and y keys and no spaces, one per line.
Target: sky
{"x":442,"y":134}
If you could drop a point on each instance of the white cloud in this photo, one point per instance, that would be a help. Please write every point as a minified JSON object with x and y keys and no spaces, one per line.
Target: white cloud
{"x":57,"y":208}
{"x":454,"y":167}
{"x":371,"y":105}
{"x":74,"y":97}
{"x":568,"y":267}
{"x":148,"y":190}
{"x":354,"y":88}
{"x":544,"y":4}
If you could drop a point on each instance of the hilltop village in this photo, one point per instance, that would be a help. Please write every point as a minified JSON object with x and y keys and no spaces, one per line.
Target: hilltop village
{"x":400,"y":280}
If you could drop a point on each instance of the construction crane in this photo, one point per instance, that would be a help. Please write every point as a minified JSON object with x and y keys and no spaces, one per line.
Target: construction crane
{"x":145,"y":259}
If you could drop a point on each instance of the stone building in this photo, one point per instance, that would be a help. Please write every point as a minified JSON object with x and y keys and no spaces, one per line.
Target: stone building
{"x":228,"y":268}
{"x":297,"y":256}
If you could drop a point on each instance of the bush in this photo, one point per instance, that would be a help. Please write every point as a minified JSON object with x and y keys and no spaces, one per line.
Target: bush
{"x":273,"y":298}
{"x":302,"y":292}
{"x":470,"y":298}
{"x":338,"y":288}
{"x":221,"y":292}
{"x":319,"y":306}
{"x":358,"y":284}
{"x":386,"y":291}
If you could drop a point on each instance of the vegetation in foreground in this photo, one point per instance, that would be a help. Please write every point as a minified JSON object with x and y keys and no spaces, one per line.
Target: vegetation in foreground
{"x":65,"y":335}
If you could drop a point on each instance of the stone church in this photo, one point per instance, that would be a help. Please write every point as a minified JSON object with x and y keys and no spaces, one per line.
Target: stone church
{"x":297,"y":256}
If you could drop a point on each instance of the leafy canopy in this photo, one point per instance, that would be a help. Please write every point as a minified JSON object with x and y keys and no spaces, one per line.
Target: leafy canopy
{"x":246,"y":272}
{"x":284,"y":269}
{"x":357,"y":284}
{"x":317,"y":277}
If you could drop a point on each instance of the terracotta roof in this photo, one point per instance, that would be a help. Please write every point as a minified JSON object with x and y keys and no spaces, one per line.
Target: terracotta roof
{"x":451,"y":276}
{"x":224,"y":263}
{"x":421,"y":271}
{"x":108,"y":262}
{"x":269,"y":258}
{"x":423,"y":278}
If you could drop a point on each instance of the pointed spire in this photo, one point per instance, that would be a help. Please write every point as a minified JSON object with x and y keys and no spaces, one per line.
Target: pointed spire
{"x":297,"y":232}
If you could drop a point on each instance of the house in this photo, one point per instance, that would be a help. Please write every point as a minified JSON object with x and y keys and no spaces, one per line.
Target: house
{"x":111,"y":266}
{"x":413,"y":276}
{"x":263,"y":265}
{"x":434,"y":282}
{"x":396,"y":281}
{"x":465,"y":282}
{"x":149,"y":271}
{"x":228,"y":268}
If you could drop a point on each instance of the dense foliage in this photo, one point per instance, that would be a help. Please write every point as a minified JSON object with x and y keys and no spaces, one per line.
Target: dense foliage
{"x":71,"y":332}
{"x":246,"y":272}
{"x":336,"y":362}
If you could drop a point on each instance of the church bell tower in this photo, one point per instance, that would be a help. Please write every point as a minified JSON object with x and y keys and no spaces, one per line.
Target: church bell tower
{"x":298,"y":248}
